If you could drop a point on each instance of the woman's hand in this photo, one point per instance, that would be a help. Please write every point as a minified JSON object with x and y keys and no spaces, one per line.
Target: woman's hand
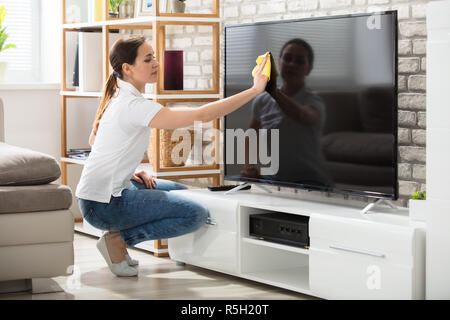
{"x":143,"y":177}
{"x":260,"y":80}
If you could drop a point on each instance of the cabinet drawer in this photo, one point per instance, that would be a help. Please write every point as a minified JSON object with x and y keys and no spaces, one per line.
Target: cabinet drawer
{"x":394,"y":243}
{"x":208,"y":247}
{"x":342,"y":275}
{"x":361,"y":259}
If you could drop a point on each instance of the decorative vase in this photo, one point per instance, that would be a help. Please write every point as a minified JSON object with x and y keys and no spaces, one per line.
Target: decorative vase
{"x":126,"y":9}
{"x":173,"y":70}
{"x":113,"y":14}
{"x":417,"y":209}
{"x":176,"y":6}
{"x":3,"y":67}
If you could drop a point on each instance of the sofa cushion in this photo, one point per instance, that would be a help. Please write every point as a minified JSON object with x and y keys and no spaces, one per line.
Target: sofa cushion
{"x":45,"y":197}
{"x":359,"y":147}
{"x":36,"y":227}
{"x":46,"y":260}
{"x":20,"y":166}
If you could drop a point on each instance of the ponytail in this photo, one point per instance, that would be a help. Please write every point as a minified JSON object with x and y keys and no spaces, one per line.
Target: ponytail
{"x":108,"y":93}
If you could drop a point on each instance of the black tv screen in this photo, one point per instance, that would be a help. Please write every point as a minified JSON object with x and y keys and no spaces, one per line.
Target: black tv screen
{"x":328,"y":121}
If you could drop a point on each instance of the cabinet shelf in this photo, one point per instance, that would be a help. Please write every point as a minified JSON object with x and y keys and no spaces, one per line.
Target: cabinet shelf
{"x":296,"y":278}
{"x":184,"y":96}
{"x":80,"y":94}
{"x":140,"y":21}
{"x":275,"y":245}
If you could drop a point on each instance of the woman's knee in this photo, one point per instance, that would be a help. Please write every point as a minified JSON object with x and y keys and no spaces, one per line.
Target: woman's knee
{"x":180,"y":186}
{"x":168,"y":185}
{"x":200,"y":214}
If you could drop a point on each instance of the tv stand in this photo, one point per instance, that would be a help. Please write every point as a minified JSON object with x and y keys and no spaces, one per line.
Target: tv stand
{"x":376,"y":203}
{"x":239,"y":187}
{"x":351,"y":256}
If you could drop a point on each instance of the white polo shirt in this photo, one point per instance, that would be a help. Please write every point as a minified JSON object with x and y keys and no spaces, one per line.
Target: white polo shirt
{"x":121,"y":141}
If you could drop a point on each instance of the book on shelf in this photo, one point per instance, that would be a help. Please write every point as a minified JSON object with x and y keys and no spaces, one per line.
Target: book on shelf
{"x":75,"y":78}
{"x":90,"y":60}
{"x":71,"y":50}
{"x":80,"y":150}
{"x":80,"y":154}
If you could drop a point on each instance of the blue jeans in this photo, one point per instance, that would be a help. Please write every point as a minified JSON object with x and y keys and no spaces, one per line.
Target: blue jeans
{"x":142,"y":214}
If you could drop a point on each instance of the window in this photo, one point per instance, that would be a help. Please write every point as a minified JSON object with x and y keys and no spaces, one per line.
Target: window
{"x":23,"y":25}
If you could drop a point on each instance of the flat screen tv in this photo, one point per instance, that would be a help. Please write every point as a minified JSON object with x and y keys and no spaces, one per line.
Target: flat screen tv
{"x":328,"y":121}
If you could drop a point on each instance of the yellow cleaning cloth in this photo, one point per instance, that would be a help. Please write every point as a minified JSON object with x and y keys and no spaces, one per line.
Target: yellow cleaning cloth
{"x":267,"y":67}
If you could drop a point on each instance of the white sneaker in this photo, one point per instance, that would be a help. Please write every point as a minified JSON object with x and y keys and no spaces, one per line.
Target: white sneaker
{"x":121,"y":269}
{"x":131,"y":261}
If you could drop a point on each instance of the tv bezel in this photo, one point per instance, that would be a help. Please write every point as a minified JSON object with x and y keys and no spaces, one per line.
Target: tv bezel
{"x":369,"y":194}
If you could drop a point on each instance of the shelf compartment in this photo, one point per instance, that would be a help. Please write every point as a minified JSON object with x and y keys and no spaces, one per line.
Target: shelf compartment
{"x":161,"y":162}
{"x":275,"y":245}
{"x":192,"y":12}
{"x":214,"y":9}
{"x":89,"y":61}
{"x":267,"y":264}
{"x":201,"y":67}
{"x":295,"y":279}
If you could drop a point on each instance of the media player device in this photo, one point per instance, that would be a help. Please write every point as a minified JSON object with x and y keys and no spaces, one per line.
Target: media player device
{"x":284,"y":228}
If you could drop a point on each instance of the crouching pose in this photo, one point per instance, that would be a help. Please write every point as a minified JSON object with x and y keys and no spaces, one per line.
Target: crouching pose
{"x":134,"y":207}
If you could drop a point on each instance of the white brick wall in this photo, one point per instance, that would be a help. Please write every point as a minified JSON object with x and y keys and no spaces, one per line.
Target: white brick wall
{"x":249,"y":9}
{"x":404,"y":47}
{"x":412,"y":154}
{"x":408,"y":65}
{"x":411,"y":29}
{"x":302,"y":5}
{"x":271,"y":7}
{"x":417,"y":83}
{"x":407,"y":118}
{"x":327,"y":4}
{"x":412,"y":101}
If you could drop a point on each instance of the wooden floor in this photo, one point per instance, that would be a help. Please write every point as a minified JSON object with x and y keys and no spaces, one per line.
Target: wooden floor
{"x":159,"y":279}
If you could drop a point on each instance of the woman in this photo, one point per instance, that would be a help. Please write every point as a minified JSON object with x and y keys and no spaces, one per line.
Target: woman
{"x":299,"y":115}
{"x":142,"y":209}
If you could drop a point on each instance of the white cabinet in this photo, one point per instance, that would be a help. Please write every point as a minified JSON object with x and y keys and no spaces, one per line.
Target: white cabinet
{"x":357,"y":259}
{"x":377,"y":256}
{"x":214,"y":245}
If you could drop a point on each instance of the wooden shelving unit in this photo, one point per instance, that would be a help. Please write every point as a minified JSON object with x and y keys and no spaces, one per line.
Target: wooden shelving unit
{"x":157,"y":23}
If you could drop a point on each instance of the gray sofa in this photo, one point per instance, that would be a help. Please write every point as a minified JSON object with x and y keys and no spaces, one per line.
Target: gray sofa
{"x":36,"y":225}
